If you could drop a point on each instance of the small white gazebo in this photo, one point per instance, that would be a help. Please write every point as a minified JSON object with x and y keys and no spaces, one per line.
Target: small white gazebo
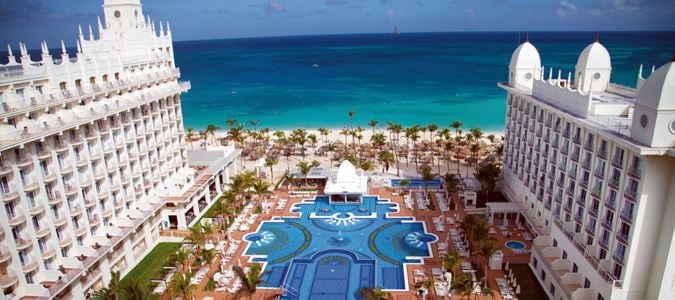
{"x":346,"y":186}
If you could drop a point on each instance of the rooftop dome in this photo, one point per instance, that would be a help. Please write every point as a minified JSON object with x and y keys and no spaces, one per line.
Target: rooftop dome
{"x":594,"y":56}
{"x":346,"y":173}
{"x":658,"y":91}
{"x":525,"y":56}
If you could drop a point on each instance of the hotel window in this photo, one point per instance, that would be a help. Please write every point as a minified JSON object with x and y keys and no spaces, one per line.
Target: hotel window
{"x":587,"y":283}
{"x":551,"y":288}
{"x":564,"y":254}
{"x":602,"y":254}
{"x":617,"y":270}
{"x":29,"y":277}
{"x":575,"y":268}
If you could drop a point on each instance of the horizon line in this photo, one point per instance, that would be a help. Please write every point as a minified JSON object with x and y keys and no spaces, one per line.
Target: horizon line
{"x":419,"y":32}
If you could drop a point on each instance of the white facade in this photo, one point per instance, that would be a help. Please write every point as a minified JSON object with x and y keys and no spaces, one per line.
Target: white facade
{"x":591,"y":166}
{"x":92,"y":158}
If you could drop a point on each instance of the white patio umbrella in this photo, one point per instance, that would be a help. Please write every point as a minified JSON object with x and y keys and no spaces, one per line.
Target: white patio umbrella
{"x":518,"y":289}
{"x":515,"y":281}
{"x":511,"y":273}
{"x":507,"y":266}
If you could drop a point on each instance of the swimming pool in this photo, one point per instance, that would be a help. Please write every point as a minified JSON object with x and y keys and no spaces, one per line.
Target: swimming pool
{"x":517,"y":245}
{"x":416,"y":183}
{"x":331,"y":251}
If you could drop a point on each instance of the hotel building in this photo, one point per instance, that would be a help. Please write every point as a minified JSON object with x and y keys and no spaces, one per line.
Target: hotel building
{"x":93,"y":159}
{"x":591,"y":165}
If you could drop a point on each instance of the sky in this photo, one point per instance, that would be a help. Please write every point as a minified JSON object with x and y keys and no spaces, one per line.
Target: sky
{"x":32,"y":21}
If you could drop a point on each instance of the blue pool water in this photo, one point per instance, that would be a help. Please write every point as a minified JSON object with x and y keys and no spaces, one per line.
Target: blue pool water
{"x":415,"y":183}
{"x":331,"y":251}
{"x":515,"y":244}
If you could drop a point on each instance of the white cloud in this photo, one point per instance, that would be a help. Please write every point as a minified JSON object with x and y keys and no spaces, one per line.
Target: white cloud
{"x":566,"y":8}
{"x":274,"y":6}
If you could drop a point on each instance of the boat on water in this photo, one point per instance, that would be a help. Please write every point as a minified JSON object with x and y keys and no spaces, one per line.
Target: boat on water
{"x":396,"y":31}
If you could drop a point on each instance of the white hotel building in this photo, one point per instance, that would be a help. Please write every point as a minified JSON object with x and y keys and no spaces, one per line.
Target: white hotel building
{"x":93,"y":161}
{"x":591,"y":166}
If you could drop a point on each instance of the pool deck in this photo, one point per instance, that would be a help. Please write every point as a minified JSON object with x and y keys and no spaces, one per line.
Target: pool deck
{"x":386,"y":193}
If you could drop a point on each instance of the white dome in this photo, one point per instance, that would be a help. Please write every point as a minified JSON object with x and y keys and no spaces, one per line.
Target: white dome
{"x":658,"y":91}
{"x":525,"y":56}
{"x":346,"y":173}
{"x":594,"y":56}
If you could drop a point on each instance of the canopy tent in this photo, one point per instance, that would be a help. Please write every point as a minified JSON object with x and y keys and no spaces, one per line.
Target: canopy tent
{"x":347,"y":186}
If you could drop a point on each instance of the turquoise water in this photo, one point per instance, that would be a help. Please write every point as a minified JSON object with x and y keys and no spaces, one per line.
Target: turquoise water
{"x":409,"y":79}
{"x":338,"y":248}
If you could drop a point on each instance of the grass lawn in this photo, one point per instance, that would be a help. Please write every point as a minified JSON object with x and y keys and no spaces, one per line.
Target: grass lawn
{"x":529,"y":286}
{"x":151,"y":264}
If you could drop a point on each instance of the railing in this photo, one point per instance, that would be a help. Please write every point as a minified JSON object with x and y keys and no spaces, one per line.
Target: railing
{"x":62,"y":98}
{"x":607,"y":276}
{"x":108,"y":108}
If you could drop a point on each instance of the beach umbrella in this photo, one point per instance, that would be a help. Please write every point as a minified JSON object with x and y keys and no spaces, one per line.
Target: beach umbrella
{"x":515,"y":281}
{"x":518,"y":289}
{"x":507,"y":265}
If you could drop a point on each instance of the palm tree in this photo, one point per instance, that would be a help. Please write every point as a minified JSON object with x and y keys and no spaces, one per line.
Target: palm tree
{"x":404,"y":183}
{"x":373,"y":123}
{"x":182,"y":257}
{"x":487,"y":176}
{"x":109,"y":292}
{"x":271,"y":162}
{"x":485,"y":249}
{"x":351,"y":117}
{"x":432,"y":128}
{"x":196,"y":236}
{"x":207,"y":257}
{"x":230,"y":123}
{"x":312,"y":139}
{"x":189,"y":135}
{"x":254,"y":123}
{"x":249,"y":280}
{"x":456,"y":125}
{"x":182,"y":286}
{"x":366,"y":165}
{"x":211,"y":130}
{"x":451,"y":183}
{"x":345,"y":132}
{"x":378,"y":140}
{"x":375,"y":293}
{"x":452,"y":261}
{"x":299,"y":136}
{"x":324,"y":134}
{"x":306,"y":167}
{"x":134,"y":290}
{"x":463,"y":285}
{"x":386,"y":158}
{"x":427,"y":176}
{"x":500,"y":152}
{"x":261,"y":188}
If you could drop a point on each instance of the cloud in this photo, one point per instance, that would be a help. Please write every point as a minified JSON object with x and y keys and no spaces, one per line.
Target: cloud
{"x":566,"y":8}
{"x":471,"y":14}
{"x":272,"y":6}
{"x":30,"y":11}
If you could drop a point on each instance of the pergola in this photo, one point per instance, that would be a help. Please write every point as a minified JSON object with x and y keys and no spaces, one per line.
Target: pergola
{"x":502,"y":209}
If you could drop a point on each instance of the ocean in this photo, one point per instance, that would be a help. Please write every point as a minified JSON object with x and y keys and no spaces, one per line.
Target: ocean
{"x":412,"y":78}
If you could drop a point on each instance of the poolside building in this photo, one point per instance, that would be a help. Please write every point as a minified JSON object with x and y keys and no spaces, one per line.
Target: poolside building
{"x":347,"y":186}
{"x":591,"y":166}
{"x":93,"y":161}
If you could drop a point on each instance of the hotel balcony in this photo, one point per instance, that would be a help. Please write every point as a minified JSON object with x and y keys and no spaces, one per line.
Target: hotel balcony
{"x":16,"y":218}
{"x":36,"y":208}
{"x":9,"y":193}
{"x":66,"y":119}
{"x":627,"y":216}
{"x":30,"y":183}
{"x":614,"y":182}
{"x":22,"y":242}
{"x":607,"y":224}
{"x":635,"y":172}
{"x":41,"y":102}
{"x":43,"y":229}
{"x":65,"y":240}
{"x":617,"y":162}
{"x":618,"y":256}
{"x":630,"y":194}
{"x":5,"y":254}
{"x":8,"y":279}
